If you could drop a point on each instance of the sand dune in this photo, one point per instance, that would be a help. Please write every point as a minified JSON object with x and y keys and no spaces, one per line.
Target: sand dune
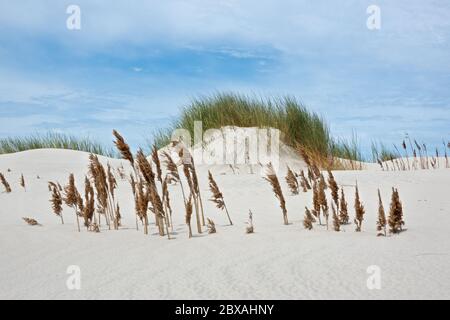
{"x":276,"y":262}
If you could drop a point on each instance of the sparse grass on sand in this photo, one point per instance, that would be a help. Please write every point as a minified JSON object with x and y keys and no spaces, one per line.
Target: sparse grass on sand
{"x":54,"y":140}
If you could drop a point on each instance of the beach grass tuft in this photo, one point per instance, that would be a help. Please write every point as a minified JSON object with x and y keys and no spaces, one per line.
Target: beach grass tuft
{"x":54,"y":140}
{"x":298,"y":125}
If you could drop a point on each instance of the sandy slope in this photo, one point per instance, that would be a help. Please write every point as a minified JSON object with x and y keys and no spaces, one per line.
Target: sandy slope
{"x":279,"y":262}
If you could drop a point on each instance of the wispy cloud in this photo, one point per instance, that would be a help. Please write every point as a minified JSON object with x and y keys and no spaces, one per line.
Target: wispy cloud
{"x":134,"y":64}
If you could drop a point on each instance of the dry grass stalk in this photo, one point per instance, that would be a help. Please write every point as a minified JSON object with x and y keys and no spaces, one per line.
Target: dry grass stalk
{"x":71,"y":197}
{"x":381,"y":222}
{"x":334,"y":188}
{"x":359,"y":210}
{"x":112,"y":182}
{"x":308,"y":219}
{"x":134,"y":187}
{"x":316,"y":201}
{"x":313,"y":160}
{"x":166,"y":201}
{"x":292,"y":181}
{"x":118,"y":216}
{"x":310,"y":175}
{"x":56,"y":201}
{"x":401,"y":163}
{"x":158,"y":209}
{"x":104,"y":203}
{"x":211,"y":226}
{"x":406,"y":153}
{"x":94,"y":227}
{"x":315,"y":171}
{"x":31,"y":221}
{"x":197,"y":188}
{"x":189,"y":215}
{"x":343,"y":211}
{"x":141,"y":204}
{"x":187,"y":174}
{"x":145,"y":167}
{"x":272,"y":178}
{"x":5,"y":183}
{"x":422,"y":164}
{"x":112,"y":206}
{"x":217,"y":196}
{"x":173,"y":172}
{"x":22,"y":182}
{"x":157,"y":162}
{"x":426,"y":156}
{"x":434,"y":162}
{"x":322,"y":198}
{"x":304,"y":182}
{"x":447,"y":164}
{"x":50,"y":185}
{"x":89,"y":201}
{"x":132,"y":182}
{"x":415,"y":159}
{"x":80,"y":204}
{"x":336,"y":221}
{"x":250,"y":228}
{"x":123,"y":148}
{"x":322,"y":181}
{"x":126,"y":154}
{"x":395,"y":219}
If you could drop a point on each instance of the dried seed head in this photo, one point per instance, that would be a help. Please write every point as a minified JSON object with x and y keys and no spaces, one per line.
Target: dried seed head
{"x":5,"y":183}
{"x":56,"y":201}
{"x":217,"y":196}
{"x":123,"y":148}
{"x":272,"y":178}
{"x":395,"y":219}
{"x":145,"y":167}
{"x":171,"y":167}
{"x":291,"y":180}
{"x":359,"y":210}
{"x":70,"y":192}
{"x":211,"y":226}
{"x":31,"y":222}
{"x":157,"y":162}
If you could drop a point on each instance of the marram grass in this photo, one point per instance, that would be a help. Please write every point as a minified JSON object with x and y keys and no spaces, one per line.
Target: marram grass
{"x":298,"y":125}
{"x":54,"y":140}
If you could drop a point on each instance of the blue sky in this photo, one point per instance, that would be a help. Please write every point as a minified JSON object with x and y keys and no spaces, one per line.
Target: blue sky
{"x":134,"y":64}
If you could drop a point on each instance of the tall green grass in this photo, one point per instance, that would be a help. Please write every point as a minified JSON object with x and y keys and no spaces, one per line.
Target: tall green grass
{"x":54,"y":141}
{"x":347,"y":149}
{"x":380,"y":152}
{"x":298,"y":126}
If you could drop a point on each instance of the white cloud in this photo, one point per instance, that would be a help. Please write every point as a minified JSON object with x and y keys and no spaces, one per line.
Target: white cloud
{"x":290,"y":26}
{"x":323,"y":50}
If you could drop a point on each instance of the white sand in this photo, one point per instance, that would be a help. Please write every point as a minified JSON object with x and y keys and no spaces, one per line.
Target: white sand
{"x":277,"y":262}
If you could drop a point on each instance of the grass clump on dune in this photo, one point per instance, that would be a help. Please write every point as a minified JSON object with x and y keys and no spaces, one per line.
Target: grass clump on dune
{"x":300,"y":128}
{"x":381,"y":152}
{"x":53,"y":140}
